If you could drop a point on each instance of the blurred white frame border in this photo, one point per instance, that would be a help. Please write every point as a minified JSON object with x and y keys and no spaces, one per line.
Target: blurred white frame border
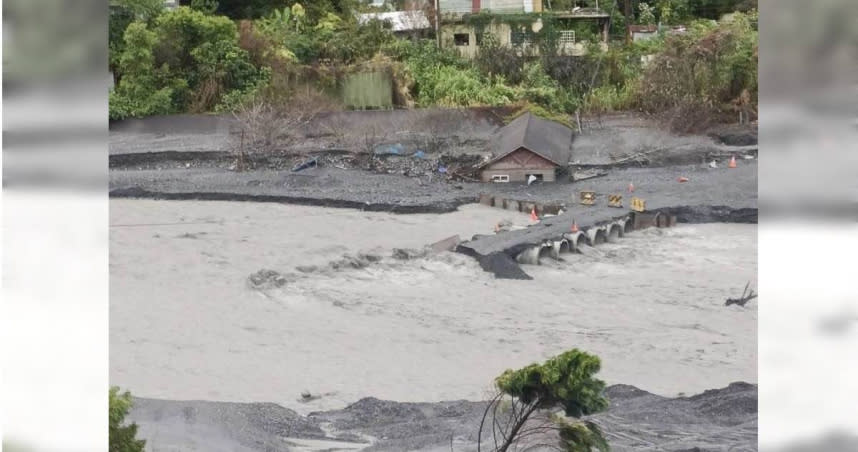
{"x":54,"y":311}
{"x":808,"y":231}
{"x":54,"y":318}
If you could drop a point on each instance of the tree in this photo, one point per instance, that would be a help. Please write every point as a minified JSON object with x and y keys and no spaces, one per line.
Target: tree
{"x":138,"y":92}
{"x":122,"y":14}
{"x":519,"y":414}
{"x":183,"y":29}
{"x":204,"y":6}
{"x":122,"y":438}
{"x":647,"y":14}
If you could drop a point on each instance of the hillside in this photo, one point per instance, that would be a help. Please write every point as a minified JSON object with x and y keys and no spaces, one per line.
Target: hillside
{"x":219,"y":57}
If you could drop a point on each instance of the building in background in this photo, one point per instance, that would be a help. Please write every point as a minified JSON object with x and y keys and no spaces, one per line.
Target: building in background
{"x":527,"y":146}
{"x":644,"y":32}
{"x":459,"y":31}
{"x":402,"y":23}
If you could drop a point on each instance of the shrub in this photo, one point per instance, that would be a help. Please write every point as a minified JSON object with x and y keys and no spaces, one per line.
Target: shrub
{"x":138,"y":92}
{"x":121,"y":438}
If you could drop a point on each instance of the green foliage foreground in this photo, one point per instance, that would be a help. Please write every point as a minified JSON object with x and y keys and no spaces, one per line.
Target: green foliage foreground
{"x":122,"y":438}
{"x":565,"y":381}
{"x":181,"y":61}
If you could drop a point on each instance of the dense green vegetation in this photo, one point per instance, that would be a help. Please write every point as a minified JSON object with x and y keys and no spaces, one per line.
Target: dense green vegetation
{"x":216,"y":56}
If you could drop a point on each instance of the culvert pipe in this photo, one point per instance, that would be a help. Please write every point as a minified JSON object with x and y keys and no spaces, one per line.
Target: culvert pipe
{"x":530,"y":255}
{"x":596,"y":236}
{"x":545,"y":251}
{"x":576,"y":240}
{"x":614,"y":232}
{"x":562,"y":246}
{"x":628,"y":225}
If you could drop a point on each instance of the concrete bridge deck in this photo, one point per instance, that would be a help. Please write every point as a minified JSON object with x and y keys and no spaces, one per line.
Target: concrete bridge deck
{"x":710,"y":195}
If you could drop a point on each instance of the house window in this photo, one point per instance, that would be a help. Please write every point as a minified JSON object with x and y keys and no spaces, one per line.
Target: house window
{"x":567,"y":37}
{"x":462,"y":39}
{"x":518,"y":37}
{"x":500,"y":178}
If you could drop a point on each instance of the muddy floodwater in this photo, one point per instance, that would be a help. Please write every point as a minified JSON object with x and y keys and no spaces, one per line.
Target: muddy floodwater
{"x":185,"y":323}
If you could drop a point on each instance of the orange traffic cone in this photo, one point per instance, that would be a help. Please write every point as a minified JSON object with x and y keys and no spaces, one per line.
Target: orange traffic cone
{"x":732,"y":163}
{"x":574,"y":226}
{"x":631,"y":187}
{"x":533,"y":216}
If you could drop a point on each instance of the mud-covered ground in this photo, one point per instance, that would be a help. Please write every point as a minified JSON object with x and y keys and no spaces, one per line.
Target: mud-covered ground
{"x":189,"y":157}
{"x":360,"y":189}
{"x":717,"y":420}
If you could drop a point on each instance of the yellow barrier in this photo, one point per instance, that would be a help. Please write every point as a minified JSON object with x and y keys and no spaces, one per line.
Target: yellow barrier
{"x":615,"y":200}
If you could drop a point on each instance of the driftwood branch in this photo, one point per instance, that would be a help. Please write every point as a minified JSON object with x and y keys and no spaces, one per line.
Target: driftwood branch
{"x":637,"y":157}
{"x":746,"y":297}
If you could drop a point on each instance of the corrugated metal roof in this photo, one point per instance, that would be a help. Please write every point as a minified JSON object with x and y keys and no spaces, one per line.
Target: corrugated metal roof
{"x":399,"y":20}
{"x":548,"y":139}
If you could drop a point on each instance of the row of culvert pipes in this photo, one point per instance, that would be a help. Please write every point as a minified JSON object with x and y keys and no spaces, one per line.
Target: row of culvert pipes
{"x":573,"y":242}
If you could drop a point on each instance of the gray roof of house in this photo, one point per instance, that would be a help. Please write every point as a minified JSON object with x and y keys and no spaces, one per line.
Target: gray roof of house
{"x":543,"y":137}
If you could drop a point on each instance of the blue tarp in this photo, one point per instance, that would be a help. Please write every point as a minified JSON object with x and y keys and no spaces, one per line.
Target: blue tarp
{"x":389,"y":149}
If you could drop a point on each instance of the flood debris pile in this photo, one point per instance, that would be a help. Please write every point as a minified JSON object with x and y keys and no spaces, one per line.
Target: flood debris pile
{"x":347,"y":261}
{"x":266,"y":279}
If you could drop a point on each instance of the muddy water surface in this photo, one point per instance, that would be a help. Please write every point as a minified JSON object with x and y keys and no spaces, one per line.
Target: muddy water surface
{"x":185,"y":323}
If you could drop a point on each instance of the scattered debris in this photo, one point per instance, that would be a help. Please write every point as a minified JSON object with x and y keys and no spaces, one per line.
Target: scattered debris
{"x":389,"y":149}
{"x":372,"y":258}
{"x":746,"y":297}
{"x":266,"y":279}
{"x":590,"y":174}
{"x":307,"y":396}
{"x":190,"y":235}
{"x":349,"y":261}
{"x":682,"y":179}
{"x":503,"y":226}
{"x":639,"y":158}
{"x":448,"y":244}
{"x":313,"y":162}
{"x":407,"y":254}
